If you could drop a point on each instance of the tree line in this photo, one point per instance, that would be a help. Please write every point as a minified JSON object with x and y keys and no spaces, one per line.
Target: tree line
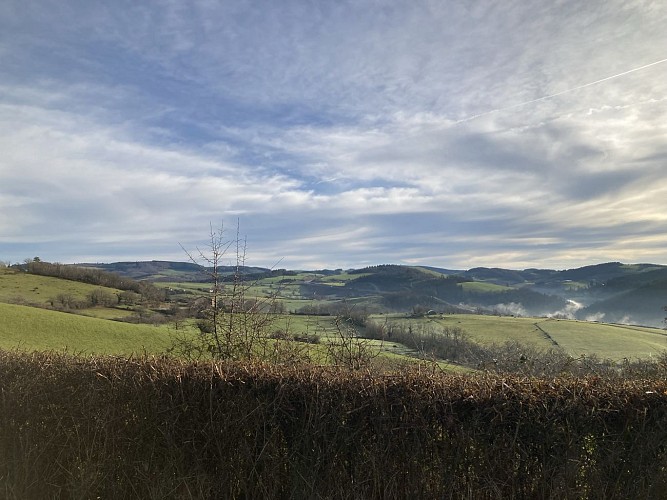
{"x":149,"y":292}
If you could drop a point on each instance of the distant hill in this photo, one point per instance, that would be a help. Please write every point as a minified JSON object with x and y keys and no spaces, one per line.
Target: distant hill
{"x":161,"y":271}
{"x":613,"y":291}
{"x":605,"y":272}
{"x":405,"y":287}
{"x":508,"y":277}
{"x":588,"y":274}
{"x":636,"y":280}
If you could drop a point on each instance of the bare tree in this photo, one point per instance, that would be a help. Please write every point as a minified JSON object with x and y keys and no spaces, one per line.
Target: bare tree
{"x":209,"y":259}
{"x":347,"y":348}
{"x":233,"y":324}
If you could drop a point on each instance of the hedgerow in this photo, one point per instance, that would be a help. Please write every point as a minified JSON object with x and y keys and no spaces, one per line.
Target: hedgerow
{"x":112,"y":427}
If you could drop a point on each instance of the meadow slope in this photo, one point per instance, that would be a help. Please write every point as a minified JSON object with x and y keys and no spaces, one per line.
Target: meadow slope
{"x":577,"y":338}
{"x":34,"y":329}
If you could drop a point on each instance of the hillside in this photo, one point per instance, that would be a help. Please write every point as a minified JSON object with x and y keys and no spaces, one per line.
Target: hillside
{"x":576,"y":338}
{"x":424,"y":294}
{"x":613,"y":292}
{"x":403,"y":288}
{"x":643,"y":305}
{"x":30,"y":328}
{"x":25,"y":288}
{"x":163,"y":271}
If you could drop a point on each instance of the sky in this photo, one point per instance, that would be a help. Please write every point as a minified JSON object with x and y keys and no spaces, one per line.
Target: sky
{"x":457,"y":134}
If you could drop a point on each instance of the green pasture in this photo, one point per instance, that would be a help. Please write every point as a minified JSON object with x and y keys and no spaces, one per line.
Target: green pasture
{"x":35,"y":329}
{"x":289,"y":294}
{"x":188,"y":286}
{"x":106,"y":312}
{"x":295,"y":280}
{"x":38,"y":329}
{"x":312,"y":325}
{"x":431,"y":272}
{"x":385,"y":354}
{"x":283,"y":280}
{"x":483,"y":287}
{"x":606,"y":341}
{"x":259,"y":289}
{"x":575,"y":337}
{"x":294,"y":304}
{"x":342,"y":278}
{"x":482,"y":329}
{"x":17,"y":286}
{"x":286,"y":289}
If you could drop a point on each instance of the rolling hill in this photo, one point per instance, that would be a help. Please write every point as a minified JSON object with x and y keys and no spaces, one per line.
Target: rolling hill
{"x":158,"y":270}
{"x":31,"y":328}
{"x":612,"y":292}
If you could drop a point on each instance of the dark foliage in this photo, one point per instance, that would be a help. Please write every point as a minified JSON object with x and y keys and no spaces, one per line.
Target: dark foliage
{"x":156,"y":428}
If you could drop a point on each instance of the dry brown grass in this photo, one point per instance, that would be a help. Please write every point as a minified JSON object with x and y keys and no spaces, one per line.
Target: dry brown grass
{"x":159,"y":428}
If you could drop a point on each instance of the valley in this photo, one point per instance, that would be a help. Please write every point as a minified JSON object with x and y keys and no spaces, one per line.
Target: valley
{"x":541,"y":308}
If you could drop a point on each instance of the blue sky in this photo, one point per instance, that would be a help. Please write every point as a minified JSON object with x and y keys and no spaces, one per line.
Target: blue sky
{"x":339,"y":134}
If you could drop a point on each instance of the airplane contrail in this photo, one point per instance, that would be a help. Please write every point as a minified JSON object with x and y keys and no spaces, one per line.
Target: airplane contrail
{"x":561,"y":92}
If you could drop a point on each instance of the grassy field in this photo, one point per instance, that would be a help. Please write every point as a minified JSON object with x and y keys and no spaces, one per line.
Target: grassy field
{"x":482,"y":287}
{"x":37,"y":329}
{"x":106,"y":312}
{"x":16,"y":286}
{"x":607,"y":341}
{"x":313,"y":325}
{"x":575,"y":337}
{"x":482,"y":329}
{"x":34,"y":329}
{"x":342,"y":278}
{"x":193,"y":287}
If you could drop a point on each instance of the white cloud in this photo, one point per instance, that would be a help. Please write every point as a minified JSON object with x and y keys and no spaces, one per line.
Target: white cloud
{"x":423,"y":124}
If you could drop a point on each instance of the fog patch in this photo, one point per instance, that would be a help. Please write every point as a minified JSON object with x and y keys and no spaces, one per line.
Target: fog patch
{"x":595,"y":317}
{"x":468,"y":307}
{"x":567,"y":312}
{"x":511,"y":309}
{"x":626,"y":320}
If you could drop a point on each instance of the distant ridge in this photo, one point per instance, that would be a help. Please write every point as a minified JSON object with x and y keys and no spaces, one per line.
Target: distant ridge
{"x":611,"y":291}
{"x":163,"y":270}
